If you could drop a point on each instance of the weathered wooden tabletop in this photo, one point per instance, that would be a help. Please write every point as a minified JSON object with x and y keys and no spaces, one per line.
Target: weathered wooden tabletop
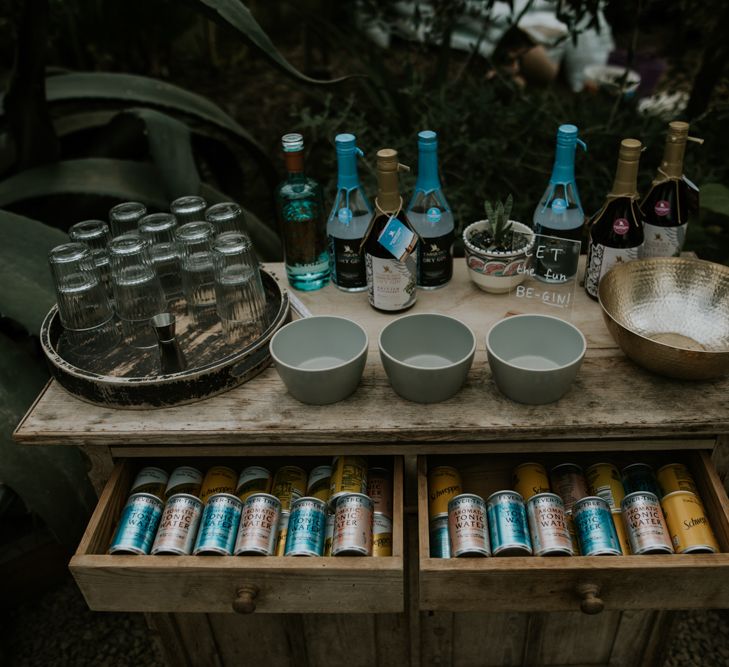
{"x":612,"y":398}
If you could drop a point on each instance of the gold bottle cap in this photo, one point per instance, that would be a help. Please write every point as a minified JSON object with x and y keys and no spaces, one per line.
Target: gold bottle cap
{"x":388,"y":187}
{"x":626,"y":173}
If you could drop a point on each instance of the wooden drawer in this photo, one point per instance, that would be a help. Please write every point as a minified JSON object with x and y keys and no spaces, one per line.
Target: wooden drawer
{"x":561,"y":584}
{"x":217,"y":584}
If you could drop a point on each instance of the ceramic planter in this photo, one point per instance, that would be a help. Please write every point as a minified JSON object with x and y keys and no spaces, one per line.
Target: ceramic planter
{"x":495,"y":271}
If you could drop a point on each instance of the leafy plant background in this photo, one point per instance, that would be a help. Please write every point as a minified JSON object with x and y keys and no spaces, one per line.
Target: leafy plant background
{"x":111,"y":100}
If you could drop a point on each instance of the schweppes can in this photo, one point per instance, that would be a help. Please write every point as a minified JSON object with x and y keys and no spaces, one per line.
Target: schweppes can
{"x":381,"y":535}
{"x":318,"y":484}
{"x":150,"y":480}
{"x":620,"y":530}
{"x":253,"y":479}
{"x":688,"y":524}
{"x":283,"y":529}
{"x":379,"y":488}
{"x":604,"y":481}
{"x":671,"y":477}
{"x":530,"y":479}
{"x":289,"y":484}
{"x":218,"y":479}
{"x":444,"y":483}
{"x":349,"y":475}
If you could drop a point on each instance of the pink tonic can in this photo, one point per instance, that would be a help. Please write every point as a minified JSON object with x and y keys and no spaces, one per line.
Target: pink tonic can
{"x":178,"y":527}
{"x":258,"y":525}
{"x":467,"y":527}
{"x":353,"y":519}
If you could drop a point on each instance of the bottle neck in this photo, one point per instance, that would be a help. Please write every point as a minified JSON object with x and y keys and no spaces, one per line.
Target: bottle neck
{"x":388,"y":191}
{"x":672,"y":164}
{"x":347,"y":176}
{"x":427,"y":180}
{"x":563,"y":170}
{"x":626,"y":179}
{"x":294,"y":164}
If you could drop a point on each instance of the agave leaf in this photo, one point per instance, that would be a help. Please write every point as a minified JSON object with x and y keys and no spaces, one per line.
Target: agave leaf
{"x":28,"y":292}
{"x":508,"y":206}
{"x":489,"y":212}
{"x":499,"y":213}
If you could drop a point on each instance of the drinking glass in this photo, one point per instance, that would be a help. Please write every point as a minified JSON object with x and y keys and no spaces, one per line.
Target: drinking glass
{"x":123,"y":218}
{"x":83,"y":305}
{"x":189,"y":209}
{"x":196,"y":258}
{"x":95,"y":234}
{"x":137,"y":289}
{"x":226,"y":217}
{"x":159,"y":230}
{"x":240,"y":298}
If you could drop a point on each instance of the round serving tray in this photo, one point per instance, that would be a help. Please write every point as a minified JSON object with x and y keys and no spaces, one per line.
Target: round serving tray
{"x":130,"y":378}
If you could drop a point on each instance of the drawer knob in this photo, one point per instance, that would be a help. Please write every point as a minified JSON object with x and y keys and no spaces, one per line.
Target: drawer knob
{"x":591,"y":602}
{"x":245,"y":601}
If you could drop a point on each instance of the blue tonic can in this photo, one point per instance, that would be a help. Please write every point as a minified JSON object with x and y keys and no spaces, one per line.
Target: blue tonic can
{"x":440,"y":544}
{"x":640,"y":477}
{"x":307,"y":527}
{"x":138,"y":525}
{"x":219,"y":525}
{"x":595,"y":528}
{"x":507,"y":521}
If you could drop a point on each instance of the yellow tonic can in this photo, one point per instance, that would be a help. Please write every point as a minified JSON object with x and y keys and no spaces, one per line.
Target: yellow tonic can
{"x":218,"y":479}
{"x":688,"y":524}
{"x":604,"y":481}
{"x":620,"y":530}
{"x":283,"y":529}
{"x":675,"y":477}
{"x":381,"y":535}
{"x":530,"y":479}
{"x":289,"y":484}
{"x":349,"y":475}
{"x":444,"y":483}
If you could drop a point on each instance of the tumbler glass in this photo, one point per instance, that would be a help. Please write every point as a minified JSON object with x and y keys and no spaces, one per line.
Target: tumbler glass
{"x":95,"y":234}
{"x":137,"y":289}
{"x":196,"y":258}
{"x":124,"y":217}
{"x":159,"y":230}
{"x":226,"y":217}
{"x":189,"y":209}
{"x":241,"y":301}
{"x":83,"y":305}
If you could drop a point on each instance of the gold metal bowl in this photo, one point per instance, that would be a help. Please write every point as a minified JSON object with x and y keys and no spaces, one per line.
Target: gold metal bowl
{"x":670,"y":315}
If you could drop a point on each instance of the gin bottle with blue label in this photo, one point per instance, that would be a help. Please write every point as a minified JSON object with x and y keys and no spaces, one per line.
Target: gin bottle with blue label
{"x":348,"y":221}
{"x":431,"y":218}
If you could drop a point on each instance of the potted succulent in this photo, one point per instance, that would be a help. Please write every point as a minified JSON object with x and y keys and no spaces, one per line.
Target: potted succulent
{"x":497,"y":249}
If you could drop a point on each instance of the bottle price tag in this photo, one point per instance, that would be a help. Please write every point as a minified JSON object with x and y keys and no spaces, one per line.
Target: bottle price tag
{"x":398,"y":239}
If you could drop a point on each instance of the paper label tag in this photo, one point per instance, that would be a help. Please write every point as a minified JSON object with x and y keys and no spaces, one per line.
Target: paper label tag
{"x":398,"y":239}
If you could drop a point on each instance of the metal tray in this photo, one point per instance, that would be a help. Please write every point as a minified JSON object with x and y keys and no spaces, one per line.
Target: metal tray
{"x":130,"y":378}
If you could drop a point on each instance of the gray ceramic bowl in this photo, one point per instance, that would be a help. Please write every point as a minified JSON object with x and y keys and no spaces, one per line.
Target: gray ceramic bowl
{"x":534,"y":358}
{"x":320,"y":359}
{"x":427,"y":356}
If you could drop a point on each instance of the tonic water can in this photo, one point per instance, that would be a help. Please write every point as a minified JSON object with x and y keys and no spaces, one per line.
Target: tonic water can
{"x":379,"y":488}
{"x":349,"y":475}
{"x":318,"y":484}
{"x":444,"y":483}
{"x":253,"y":479}
{"x":467,"y":528}
{"x":675,"y":477}
{"x":218,"y":479}
{"x":138,"y":525}
{"x":178,"y":526}
{"x":289,"y":483}
{"x":219,"y":525}
{"x":548,"y":526}
{"x":150,"y":480}
{"x":507,"y":524}
{"x":688,"y":524}
{"x":184,"y":479}
{"x":381,"y":535}
{"x":604,"y":481}
{"x":569,"y":483}
{"x":645,"y":525}
{"x":283,"y":527}
{"x":258,"y":528}
{"x":440,"y":543}
{"x":329,"y":534}
{"x":595,"y":528}
{"x":353,"y":519}
{"x":307,"y":525}
{"x":620,"y":530}
{"x":640,"y":477}
{"x":530,"y":479}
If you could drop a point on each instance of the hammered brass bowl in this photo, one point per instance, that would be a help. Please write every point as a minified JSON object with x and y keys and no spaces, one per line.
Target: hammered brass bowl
{"x":670,"y":315}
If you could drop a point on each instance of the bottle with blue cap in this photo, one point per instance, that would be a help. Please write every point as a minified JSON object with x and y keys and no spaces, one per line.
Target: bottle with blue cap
{"x":348,"y":220}
{"x":431,"y":217}
{"x":559,"y":213}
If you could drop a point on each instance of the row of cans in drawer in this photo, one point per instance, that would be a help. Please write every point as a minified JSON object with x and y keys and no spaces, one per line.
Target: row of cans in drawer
{"x":257,"y":526}
{"x":347,"y":474}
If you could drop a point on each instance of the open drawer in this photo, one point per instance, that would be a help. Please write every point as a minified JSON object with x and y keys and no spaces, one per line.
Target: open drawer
{"x":233,"y":583}
{"x":571,"y":583}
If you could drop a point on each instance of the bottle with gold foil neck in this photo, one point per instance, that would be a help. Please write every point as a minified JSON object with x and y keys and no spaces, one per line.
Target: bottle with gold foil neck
{"x":616,"y":230}
{"x":391,"y":278}
{"x":672,"y":200}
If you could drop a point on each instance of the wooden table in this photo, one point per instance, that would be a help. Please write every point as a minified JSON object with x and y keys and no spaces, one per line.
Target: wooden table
{"x":492,"y":611}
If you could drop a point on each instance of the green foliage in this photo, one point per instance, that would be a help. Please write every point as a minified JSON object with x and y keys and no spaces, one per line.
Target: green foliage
{"x":499,"y":222}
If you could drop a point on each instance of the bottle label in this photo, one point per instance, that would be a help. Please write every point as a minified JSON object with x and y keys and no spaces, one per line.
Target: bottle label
{"x":600,"y":259}
{"x":435,"y":261}
{"x":398,"y":239}
{"x":662,"y":207}
{"x":344,"y":215}
{"x":348,"y":269}
{"x":433,"y":215}
{"x":663,"y":241}
{"x":621,"y":226}
{"x":390,"y":283}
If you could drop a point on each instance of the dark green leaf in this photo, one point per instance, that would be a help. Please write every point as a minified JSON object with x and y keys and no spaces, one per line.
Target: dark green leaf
{"x":715,"y":197}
